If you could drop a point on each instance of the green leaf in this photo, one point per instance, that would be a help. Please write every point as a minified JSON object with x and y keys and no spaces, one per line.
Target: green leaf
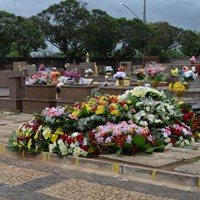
{"x":119,"y":151}
{"x":138,"y":140}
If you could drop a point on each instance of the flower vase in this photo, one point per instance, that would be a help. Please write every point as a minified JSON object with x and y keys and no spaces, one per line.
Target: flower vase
{"x":109,"y":74}
{"x":179,"y":94}
{"x":120,"y":82}
{"x":186,"y":85}
{"x":154,"y":84}
{"x":140,"y":82}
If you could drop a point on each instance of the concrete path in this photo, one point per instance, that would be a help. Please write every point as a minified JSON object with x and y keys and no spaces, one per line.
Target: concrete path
{"x":176,"y":166}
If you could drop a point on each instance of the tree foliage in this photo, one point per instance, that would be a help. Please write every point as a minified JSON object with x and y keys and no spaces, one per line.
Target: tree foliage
{"x":7,"y":27}
{"x":190,"y":43}
{"x":63,"y":25}
{"x":28,"y":36}
{"x":164,"y":37}
{"x":74,"y":30}
{"x":101,"y":33}
{"x":134,"y":36}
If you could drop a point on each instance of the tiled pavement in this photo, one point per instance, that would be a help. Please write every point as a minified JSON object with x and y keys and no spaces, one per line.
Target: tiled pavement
{"x":30,"y":179}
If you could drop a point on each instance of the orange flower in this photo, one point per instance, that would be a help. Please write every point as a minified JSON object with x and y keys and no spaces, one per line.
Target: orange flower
{"x":55,"y":74}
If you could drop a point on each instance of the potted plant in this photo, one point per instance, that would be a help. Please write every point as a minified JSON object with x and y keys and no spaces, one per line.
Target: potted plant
{"x":140,"y":75}
{"x":108,"y":70}
{"x":188,"y":77}
{"x":120,"y":76}
{"x":154,"y":73}
{"x":178,"y":88}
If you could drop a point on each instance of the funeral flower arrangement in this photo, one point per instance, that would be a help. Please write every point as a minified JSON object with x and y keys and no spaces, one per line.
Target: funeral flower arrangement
{"x":89,"y":72}
{"x":177,"y":87}
{"x":189,"y":76}
{"x":108,"y":69}
{"x":155,"y":72}
{"x":70,"y":77}
{"x":140,"y":74}
{"x":120,"y":74}
{"x":41,"y":78}
{"x":142,"y":119}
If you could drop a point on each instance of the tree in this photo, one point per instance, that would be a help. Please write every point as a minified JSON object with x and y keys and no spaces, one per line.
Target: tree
{"x":101,"y":34}
{"x":63,"y":25}
{"x":134,"y":35}
{"x":190,"y":43}
{"x":7,"y":28}
{"x":28,"y":36}
{"x":164,"y":37}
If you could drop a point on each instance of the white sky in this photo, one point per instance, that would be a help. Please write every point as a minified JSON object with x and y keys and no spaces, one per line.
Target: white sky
{"x":180,"y":13}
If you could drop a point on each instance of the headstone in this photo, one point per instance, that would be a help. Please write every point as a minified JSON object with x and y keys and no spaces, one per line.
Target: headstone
{"x":148,"y":59}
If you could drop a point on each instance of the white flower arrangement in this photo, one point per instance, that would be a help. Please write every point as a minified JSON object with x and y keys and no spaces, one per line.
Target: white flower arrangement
{"x":141,"y":92}
{"x":120,"y":75}
{"x":89,"y":71}
{"x":108,"y":69}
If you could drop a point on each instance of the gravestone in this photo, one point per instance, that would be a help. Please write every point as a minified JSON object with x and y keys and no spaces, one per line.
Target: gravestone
{"x":148,"y":59}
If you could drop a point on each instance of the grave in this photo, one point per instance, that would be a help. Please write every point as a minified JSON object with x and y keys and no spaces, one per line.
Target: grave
{"x":15,"y":92}
{"x":38,"y":97}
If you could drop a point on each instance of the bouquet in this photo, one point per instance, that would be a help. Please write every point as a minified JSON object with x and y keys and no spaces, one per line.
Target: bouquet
{"x":189,"y":76}
{"x":140,"y":74}
{"x":41,"y":78}
{"x":89,"y":72}
{"x":176,"y":87}
{"x":154,"y":72}
{"x":108,"y":69}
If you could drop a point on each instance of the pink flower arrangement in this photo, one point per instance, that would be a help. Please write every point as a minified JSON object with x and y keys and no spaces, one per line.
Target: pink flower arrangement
{"x":193,"y":59}
{"x":53,"y":111}
{"x":155,"y":72}
{"x":41,"y":78}
{"x":125,"y":137}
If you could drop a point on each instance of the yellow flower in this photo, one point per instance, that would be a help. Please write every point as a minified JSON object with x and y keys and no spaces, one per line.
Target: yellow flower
{"x":113,"y":105}
{"x":180,"y":103}
{"x":47,"y":133}
{"x":59,"y":131}
{"x":54,"y":138}
{"x":170,"y":86}
{"x":125,"y":107}
{"x":75,"y":113}
{"x":89,"y":109}
{"x":179,"y":87}
{"x":115,"y":112}
{"x":29,"y":143}
{"x":100,"y":110}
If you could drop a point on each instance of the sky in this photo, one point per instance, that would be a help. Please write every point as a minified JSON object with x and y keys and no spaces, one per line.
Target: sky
{"x":179,"y":13}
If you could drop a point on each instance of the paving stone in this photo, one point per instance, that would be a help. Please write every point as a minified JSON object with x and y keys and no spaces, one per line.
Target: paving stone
{"x":88,"y":190}
{"x":193,"y":168}
{"x":14,"y":176}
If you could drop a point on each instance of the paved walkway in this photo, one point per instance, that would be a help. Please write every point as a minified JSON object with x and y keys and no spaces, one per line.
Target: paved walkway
{"x":32,"y":179}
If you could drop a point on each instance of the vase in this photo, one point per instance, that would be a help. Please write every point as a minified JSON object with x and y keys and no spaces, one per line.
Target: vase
{"x":140,"y":82}
{"x":186,"y":85}
{"x":154,"y":84}
{"x":179,"y":93}
{"x":127,"y":81}
{"x":109,"y":74}
{"x":120,"y":82}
